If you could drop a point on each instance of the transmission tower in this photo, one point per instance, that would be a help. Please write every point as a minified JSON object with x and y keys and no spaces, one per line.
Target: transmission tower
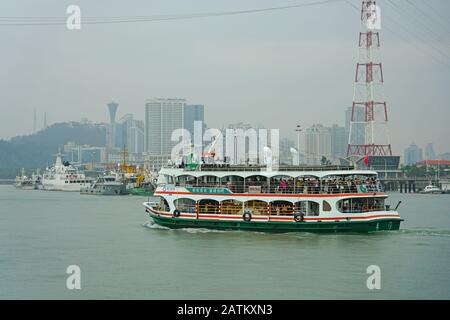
{"x":368,"y":121}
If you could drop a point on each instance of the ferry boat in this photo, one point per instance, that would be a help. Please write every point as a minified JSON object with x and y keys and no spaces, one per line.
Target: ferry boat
{"x":62,"y":176}
{"x":293,"y":198}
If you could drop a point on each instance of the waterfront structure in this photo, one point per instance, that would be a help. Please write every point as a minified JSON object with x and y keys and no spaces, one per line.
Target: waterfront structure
{"x":84,"y":154}
{"x":154,"y":162}
{"x":387,"y":167}
{"x":412,"y":155}
{"x":111,"y":131}
{"x":162,"y":117}
{"x":312,"y":199}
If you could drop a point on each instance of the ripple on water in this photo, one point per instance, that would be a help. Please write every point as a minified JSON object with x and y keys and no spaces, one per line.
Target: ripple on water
{"x":426,"y":232}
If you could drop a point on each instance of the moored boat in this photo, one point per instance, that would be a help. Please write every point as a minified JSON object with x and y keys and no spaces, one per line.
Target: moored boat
{"x":106,"y":185}
{"x":311,"y":199}
{"x":63,"y":176}
{"x":431,"y":189}
{"x":28,"y":183}
{"x":144,"y":189}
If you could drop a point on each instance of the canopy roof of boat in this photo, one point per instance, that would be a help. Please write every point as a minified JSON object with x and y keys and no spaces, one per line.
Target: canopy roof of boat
{"x":177,"y":172}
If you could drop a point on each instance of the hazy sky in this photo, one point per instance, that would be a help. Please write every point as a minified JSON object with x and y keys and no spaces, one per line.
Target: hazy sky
{"x":277,"y":68}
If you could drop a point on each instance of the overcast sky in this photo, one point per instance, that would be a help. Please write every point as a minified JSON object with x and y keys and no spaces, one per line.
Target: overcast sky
{"x":276,"y":68}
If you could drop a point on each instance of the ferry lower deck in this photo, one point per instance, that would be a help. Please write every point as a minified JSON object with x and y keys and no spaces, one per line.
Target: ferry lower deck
{"x":368,"y":222}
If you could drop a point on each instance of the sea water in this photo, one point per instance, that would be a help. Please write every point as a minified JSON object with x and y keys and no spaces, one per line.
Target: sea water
{"x":122,"y":254}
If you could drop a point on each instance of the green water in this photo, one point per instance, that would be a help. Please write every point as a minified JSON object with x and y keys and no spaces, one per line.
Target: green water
{"x":122,"y":255}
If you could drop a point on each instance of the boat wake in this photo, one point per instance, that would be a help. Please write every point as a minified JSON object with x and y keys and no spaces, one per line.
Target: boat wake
{"x":153,"y":225}
{"x":426,"y":232}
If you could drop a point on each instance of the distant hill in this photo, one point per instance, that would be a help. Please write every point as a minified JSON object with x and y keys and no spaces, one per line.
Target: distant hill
{"x":36,"y":151}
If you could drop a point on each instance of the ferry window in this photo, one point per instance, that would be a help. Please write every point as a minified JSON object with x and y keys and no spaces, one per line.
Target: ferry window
{"x":360,"y":205}
{"x":326,"y":206}
{"x":232,"y":207}
{"x":308,"y":208}
{"x":185,"y":205}
{"x":208,"y":206}
{"x":281,"y":208}
{"x":66,"y":182}
{"x":256,"y":207}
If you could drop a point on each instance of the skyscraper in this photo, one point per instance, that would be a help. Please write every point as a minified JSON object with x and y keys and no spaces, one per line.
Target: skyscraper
{"x":111,"y":132}
{"x":339,"y":140}
{"x":193,"y":113}
{"x":162,"y":117}
{"x":130,"y":134}
{"x":429,"y":152}
{"x":413,"y":154}
{"x":317,"y":144}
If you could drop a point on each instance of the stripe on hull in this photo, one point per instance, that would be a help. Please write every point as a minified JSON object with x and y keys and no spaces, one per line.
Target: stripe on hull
{"x":279,"y":224}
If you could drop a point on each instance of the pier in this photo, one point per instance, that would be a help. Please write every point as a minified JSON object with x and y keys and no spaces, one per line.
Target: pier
{"x":413,"y":184}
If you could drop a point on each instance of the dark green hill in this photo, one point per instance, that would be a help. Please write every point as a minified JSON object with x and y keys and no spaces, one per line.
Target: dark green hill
{"x":35,"y":151}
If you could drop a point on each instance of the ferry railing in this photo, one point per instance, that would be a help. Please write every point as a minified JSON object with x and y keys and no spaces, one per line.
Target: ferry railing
{"x":357,"y":210}
{"x":262,"y":168}
{"x":287,"y":189}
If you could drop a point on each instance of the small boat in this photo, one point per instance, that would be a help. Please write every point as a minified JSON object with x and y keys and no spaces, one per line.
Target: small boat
{"x":431,"y":189}
{"x":109,"y":185}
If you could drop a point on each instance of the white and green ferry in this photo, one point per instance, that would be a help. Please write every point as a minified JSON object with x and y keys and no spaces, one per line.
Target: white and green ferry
{"x":290,"y":199}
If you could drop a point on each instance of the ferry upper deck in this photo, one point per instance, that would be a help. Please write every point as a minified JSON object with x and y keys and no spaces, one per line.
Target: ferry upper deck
{"x":257,"y":179}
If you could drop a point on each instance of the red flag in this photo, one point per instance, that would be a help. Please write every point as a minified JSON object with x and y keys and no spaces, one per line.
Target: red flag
{"x":366,"y":160}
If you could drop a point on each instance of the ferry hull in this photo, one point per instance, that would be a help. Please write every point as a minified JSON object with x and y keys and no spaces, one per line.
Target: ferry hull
{"x":387,"y":224}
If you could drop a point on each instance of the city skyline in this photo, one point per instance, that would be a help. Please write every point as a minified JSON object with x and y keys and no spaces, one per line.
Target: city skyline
{"x":260,"y":75}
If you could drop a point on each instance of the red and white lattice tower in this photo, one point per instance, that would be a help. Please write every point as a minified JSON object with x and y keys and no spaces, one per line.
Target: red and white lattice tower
{"x":368,"y":134}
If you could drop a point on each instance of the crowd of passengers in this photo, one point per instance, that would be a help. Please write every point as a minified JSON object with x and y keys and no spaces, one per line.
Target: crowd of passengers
{"x":301,"y":185}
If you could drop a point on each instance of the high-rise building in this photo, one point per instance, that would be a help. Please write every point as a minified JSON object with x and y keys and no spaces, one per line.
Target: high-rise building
{"x":339,"y":140}
{"x":162,"y":117}
{"x":429,"y":152}
{"x":413,"y":154}
{"x":130,"y":134}
{"x":111,"y":132}
{"x":317,"y":144}
{"x":193,"y":113}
